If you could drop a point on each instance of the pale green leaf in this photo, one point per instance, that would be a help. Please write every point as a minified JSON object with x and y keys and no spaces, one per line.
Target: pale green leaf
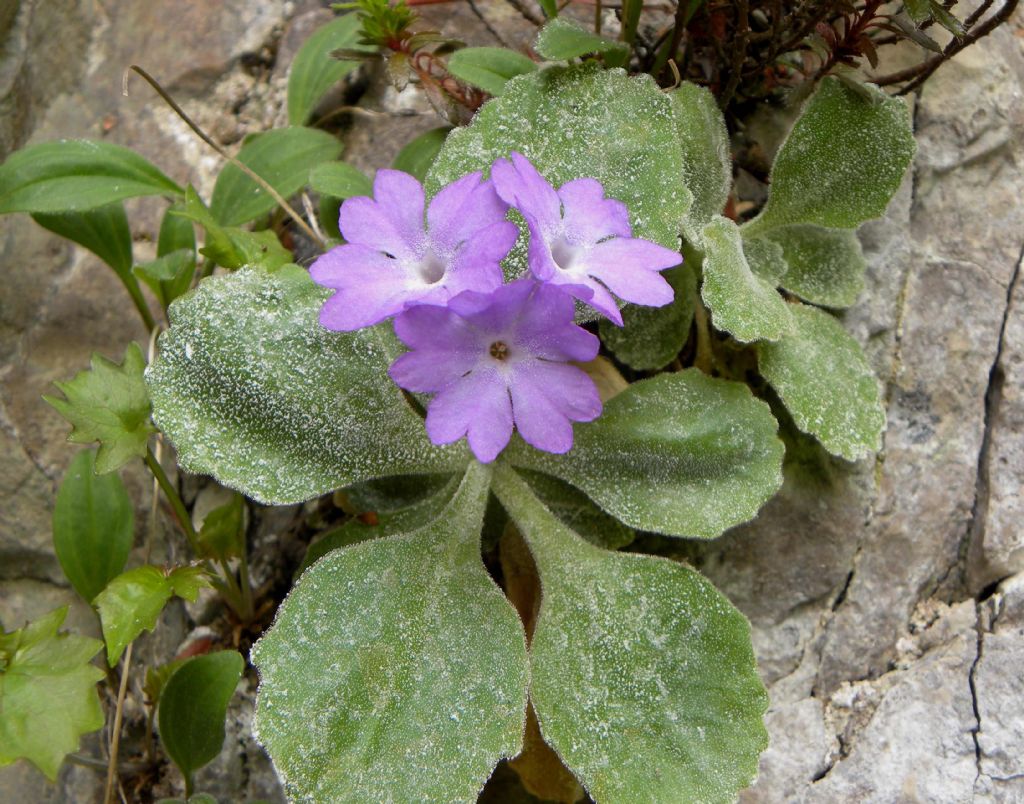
{"x":396,"y":669}
{"x":193,"y":704}
{"x":168,"y":276}
{"x":652,"y":337}
{"x":93,"y":526}
{"x":411,"y":517}
{"x":132,"y":602}
{"x":766,"y":259}
{"x":74,"y":175}
{"x":339,"y":180}
{"x":707,"y":163}
{"x":283,"y":157}
{"x":681,"y":454}
{"x":741,"y":302}
{"x":562,"y":39}
{"x":252,"y":390}
{"x":826,"y":266}
{"x":489,"y":68}
{"x":418,"y":155}
{"x":47,"y":693}
{"x":314,"y":71}
{"x":842,"y":162}
{"x":577,"y":512}
{"x":108,"y":404}
{"x":643,"y":675}
{"x":826,"y":384}
{"x":222,"y":535}
{"x":576,"y":122}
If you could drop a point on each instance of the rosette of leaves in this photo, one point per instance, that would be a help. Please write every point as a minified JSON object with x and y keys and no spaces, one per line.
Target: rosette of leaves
{"x":396,"y":668}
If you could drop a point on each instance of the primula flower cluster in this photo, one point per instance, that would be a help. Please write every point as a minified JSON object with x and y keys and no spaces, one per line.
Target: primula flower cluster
{"x":496,"y":356}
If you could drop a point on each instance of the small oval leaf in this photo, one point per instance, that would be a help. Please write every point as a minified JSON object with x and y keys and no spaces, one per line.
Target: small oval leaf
{"x":489,"y":68}
{"x":314,"y":71}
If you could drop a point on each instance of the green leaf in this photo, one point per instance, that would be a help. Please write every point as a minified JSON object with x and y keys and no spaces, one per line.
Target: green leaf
{"x":766,"y":259}
{"x":47,"y":693}
{"x":176,"y":232}
{"x":132,"y":602}
{"x":742,"y":303}
{"x":561,"y":40}
{"x":93,"y":526}
{"x":575,"y":122}
{"x":283,"y":157}
{"x":577,"y":512}
{"x":825,"y":382}
{"x":108,"y":404}
{"x":252,"y":390}
{"x":826,"y":266}
{"x":168,"y":276}
{"x":314,"y":71}
{"x":222,"y":536}
{"x":643,"y":675}
{"x":418,"y":515}
{"x":652,"y":337}
{"x":157,"y":677}
{"x":945,"y":18}
{"x":103,"y":230}
{"x":192,"y":708}
{"x":417,"y":157}
{"x":549,"y":7}
{"x":396,"y":669}
{"x":489,"y":68}
{"x":707,"y":162}
{"x":842,"y":162}
{"x":339,"y":180}
{"x":232,"y":247}
{"x":918,"y":10}
{"x":74,"y":175}
{"x":681,"y":454}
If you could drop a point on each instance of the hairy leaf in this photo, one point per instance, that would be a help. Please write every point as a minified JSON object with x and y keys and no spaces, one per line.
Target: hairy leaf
{"x":707,"y":163}
{"x":681,"y":454}
{"x":826,"y":266}
{"x":561,"y":39}
{"x":193,"y":704}
{"x":108,"y":404}
{"x":826,"y":384}
{"x":742,"y":303}
{"x":93,"y":526}
{"x":841,"y":163}
{"x":396,"y":669}
{"x":651,"y":337}
{"x":489,"y":68}
{"x":581,"y":121}
{"x":252,"y":390}
{"x":74,"y":175}
{"x":283,"y":157}
{"x":47,"y":693}
{"x":577,"y":512}
{"x":132,"y":602}
{"x":643,"y":675}
{"x":314,"y":72}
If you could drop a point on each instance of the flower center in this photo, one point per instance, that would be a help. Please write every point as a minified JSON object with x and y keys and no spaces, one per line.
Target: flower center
{"x":499,"y":350}
{"x":564,"y":253}
{"x":431,"y":268}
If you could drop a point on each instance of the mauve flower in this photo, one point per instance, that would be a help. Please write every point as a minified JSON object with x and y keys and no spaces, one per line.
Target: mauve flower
{"x":392,"y":259}
{"x":497,"y":359}
{"x":582,"y":241}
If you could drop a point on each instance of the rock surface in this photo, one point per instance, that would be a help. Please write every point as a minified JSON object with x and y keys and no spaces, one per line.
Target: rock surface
{"x":887,"y":598}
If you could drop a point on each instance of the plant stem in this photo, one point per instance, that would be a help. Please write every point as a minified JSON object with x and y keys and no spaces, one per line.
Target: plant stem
{"x":139,"y":301}
{"x":174,"y":499}
{"x":249,"y":611}
{"x":115,"y":740}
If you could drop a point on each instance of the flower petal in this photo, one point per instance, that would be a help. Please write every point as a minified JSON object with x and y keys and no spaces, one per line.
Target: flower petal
{"x":361,"y":306}
{"x":391,"y":222}
{"x":521,"y":186}
{"x":461,"y":210}
{"x":547,"y":330}
{"x":352,"y":264}
{"x":477,"y":265}
{"x":426,"y":371}
{"x":589,"y":216}
{"x":629,"y":267}
{"x":546,"y":398}
{"x":476,"y":405}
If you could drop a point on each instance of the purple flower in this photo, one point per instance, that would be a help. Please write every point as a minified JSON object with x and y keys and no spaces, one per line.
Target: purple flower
{"x":391,"y":259}
{"x":583,"y":242}
{"x":497,"y":359}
